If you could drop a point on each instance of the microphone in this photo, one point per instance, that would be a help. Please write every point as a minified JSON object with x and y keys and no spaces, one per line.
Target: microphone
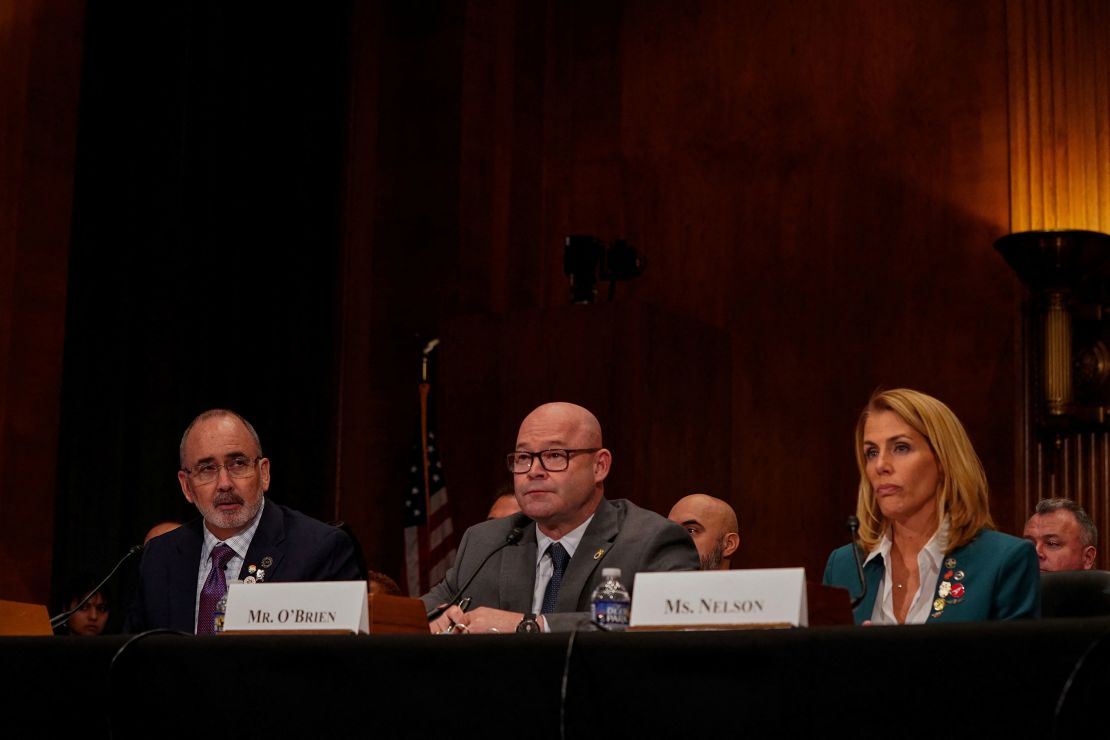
{"x":511,"y":539}
{"x":853,"y":527}
{"x":61,"y":618}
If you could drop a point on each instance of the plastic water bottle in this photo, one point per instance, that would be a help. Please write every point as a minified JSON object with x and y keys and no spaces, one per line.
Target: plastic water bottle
{"x":610,"y":603}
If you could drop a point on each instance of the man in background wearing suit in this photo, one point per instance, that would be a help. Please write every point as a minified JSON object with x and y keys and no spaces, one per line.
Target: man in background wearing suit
{"x":1063,"y":534}
{"x":712,"y":525}
{"x":183,"y":574}
{"x":504,"y":505}
{"x":547,"y":560}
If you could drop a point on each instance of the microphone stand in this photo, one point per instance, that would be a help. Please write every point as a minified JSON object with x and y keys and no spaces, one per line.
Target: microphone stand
{"x":511,"y":539}
{"x":61,"y":618}
{"x":853,"y":527}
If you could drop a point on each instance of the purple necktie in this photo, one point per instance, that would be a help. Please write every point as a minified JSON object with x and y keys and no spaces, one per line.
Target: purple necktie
{"x":215,"y":586}
{"x":559,"y":559}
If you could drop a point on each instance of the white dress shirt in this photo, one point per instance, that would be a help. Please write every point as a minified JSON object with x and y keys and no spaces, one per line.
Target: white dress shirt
{"x":239,"y":544}
{"x":545,"y":568}
{"x":929,"y":561}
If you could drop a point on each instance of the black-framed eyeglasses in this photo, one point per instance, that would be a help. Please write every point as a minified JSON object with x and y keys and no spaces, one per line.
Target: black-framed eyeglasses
{"x":553,"y":461}
{"x":236,"y":467}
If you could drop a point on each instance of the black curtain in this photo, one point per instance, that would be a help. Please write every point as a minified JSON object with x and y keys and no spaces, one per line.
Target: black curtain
{"x":204,"y":259}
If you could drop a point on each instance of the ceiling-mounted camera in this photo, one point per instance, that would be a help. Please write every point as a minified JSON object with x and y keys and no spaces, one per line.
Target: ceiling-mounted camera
{"x":586,"y":259}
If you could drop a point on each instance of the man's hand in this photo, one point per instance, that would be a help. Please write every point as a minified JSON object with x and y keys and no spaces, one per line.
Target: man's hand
{"x":445,"y":621}
{"x":482,"y":620}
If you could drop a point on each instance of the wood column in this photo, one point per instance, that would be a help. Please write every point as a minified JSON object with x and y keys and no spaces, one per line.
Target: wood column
{"x":1059,"y":90}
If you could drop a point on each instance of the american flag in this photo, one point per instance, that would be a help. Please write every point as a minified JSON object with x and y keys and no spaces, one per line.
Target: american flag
{"x":429,"y":534}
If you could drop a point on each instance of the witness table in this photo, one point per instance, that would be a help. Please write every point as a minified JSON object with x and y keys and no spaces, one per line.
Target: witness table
{"x":937,"y":681}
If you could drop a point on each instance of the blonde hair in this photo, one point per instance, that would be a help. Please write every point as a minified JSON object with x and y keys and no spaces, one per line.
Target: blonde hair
{"x":962,"y":493}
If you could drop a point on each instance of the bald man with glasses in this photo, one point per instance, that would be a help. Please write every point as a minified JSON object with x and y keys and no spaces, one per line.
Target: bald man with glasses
{"x":239,"y":535}
{"x":544,"y":562}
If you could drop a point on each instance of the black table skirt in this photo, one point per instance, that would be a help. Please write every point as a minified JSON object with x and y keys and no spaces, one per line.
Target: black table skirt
{"x":938,"y":681}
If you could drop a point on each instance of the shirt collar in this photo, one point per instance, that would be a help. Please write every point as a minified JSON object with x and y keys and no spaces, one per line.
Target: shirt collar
{"x":934,"y":548}
{"x":938,"y":543}
{"x":238,"y":542}
{"x":569,"y":540}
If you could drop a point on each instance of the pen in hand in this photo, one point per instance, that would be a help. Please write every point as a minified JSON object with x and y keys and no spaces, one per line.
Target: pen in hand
{"x":457,"y":625}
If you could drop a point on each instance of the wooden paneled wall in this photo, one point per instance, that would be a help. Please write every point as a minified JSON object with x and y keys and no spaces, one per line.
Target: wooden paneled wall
{"x":1059,"y":62}
{"x":823,"y":181}
{"x":658,"y":384}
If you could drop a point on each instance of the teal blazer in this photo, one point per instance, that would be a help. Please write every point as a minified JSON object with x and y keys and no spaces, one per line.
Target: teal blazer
{"x":995,"y":576}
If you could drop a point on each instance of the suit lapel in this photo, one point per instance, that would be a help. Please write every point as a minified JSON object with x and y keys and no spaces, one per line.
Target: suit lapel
{"x":267,"y":543}
{"x":182,"y":573}
{"x":872,"y":575}
{"x":517,"y":580}
{"x":599,"y":535}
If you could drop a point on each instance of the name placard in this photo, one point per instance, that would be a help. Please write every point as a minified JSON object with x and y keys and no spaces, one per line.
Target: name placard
{"x":720,"y":599}
{"x":323,"y":607}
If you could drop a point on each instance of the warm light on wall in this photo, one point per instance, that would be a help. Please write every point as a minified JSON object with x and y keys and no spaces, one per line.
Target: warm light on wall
{"x":1059,"y":94}
{"x":1059,"y":63}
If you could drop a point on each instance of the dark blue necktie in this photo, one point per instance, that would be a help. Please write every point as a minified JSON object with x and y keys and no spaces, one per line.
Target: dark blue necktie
{"x":559,"y":559}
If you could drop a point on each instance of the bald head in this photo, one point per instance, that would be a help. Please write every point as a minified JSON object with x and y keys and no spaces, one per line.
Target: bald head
{"x":571,"y":418}
{"x":160,"y":529}
{"x":503,"y":506}
{"x":214,"y":414}
{"x":712,"y":524}
{"x":562,"y":492}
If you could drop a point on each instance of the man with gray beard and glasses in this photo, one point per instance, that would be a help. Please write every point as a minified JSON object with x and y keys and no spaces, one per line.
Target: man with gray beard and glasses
{"x":184,"y":573}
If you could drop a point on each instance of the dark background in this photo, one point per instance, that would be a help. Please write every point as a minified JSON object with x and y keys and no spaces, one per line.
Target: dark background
{"x":272,"y":208}
{"x":204,"y":258}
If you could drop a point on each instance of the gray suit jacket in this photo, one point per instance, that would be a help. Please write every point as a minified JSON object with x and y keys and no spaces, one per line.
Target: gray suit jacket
{"x":621,"y":535}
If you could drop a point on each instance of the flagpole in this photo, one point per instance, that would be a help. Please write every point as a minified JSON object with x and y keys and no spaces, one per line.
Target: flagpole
{"x":428,"y":533}
{"x":424,"y":389}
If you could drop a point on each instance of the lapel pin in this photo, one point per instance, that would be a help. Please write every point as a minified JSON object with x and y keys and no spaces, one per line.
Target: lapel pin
{"x":267,"y":561}
{"x":959,"y":575}
{"x":599,"y":553}
{"x":938,"y":605}
{"x":950,"y":563}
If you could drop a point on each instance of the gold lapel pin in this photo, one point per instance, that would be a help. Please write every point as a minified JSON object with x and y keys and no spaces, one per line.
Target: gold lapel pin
{"x":599,"y":553}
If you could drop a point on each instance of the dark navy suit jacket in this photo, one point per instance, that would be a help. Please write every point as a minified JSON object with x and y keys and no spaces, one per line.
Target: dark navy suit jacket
{"x":300,"y":548}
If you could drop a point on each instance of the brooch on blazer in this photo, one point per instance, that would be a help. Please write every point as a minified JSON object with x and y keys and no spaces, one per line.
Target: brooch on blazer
{"x":950,"y":591}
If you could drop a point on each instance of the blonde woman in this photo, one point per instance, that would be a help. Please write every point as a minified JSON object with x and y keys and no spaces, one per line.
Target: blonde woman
{"x":930,"y":553}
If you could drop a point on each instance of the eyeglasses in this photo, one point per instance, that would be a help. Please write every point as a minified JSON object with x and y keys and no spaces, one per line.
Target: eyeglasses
{"x":553,"y":461}
{"x":236,"y":467}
